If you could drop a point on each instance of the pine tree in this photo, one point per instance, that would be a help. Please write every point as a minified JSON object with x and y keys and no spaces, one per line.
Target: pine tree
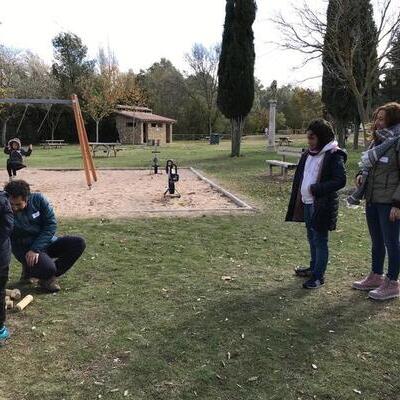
{"x":236,"y":67}
{"x":71,"y":68}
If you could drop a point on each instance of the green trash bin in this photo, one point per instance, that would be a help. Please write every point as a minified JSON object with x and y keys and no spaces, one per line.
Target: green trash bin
{"x":214,"y":138}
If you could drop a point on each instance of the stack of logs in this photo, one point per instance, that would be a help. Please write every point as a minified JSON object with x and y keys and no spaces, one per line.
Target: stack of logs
{"x":15,"y":294}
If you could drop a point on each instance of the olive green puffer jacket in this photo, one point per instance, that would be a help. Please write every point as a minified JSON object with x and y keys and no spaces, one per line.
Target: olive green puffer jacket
{"x":383,"y":185}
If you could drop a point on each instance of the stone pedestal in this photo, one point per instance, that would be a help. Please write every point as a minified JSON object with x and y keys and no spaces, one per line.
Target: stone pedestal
{"x":272,"y":125}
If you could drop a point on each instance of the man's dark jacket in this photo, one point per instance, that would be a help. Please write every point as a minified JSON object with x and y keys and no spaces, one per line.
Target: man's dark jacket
{"x":34,"y":227}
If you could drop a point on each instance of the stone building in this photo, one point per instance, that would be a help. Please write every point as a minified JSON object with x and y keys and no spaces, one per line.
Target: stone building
{"x":138,"y":125}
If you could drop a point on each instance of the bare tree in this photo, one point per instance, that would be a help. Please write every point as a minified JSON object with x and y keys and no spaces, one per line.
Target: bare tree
{"x":306,"y":35}
{"x":204,"y":66}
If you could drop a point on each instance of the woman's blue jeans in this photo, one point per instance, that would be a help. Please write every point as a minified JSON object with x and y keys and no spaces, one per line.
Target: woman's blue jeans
{"x":385,"y":239}
{"x":318,"y":241}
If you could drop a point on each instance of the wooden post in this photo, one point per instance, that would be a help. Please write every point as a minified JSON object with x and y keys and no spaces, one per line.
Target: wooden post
{"x":86,"y":143}
{"x":79,"y":128}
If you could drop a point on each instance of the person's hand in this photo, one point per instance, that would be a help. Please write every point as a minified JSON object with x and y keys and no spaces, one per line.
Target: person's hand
{"x":394,"y":214}
{"x":359,"y":180}
{"x":32,"y":258}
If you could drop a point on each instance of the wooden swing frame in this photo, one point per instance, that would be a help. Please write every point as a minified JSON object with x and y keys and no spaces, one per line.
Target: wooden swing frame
{"x":88,"y":164}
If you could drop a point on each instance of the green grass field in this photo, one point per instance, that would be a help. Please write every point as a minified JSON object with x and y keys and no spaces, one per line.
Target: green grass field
{"x":145,"y":314}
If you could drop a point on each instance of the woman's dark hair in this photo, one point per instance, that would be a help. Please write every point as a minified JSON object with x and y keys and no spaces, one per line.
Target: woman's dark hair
{"x":392,"y":113}
{"x":18,"y":188}
{"x":323,"y":130}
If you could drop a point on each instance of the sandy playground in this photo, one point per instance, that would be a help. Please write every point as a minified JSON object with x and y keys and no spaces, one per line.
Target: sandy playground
{"x":125,"y":194}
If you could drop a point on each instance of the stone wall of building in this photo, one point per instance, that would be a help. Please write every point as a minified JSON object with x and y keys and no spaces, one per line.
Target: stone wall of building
{"x":132,"y":132}
{"x":129,"y":131}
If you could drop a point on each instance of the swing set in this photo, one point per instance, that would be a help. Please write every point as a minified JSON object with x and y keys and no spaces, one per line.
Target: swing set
{"x":88,"y":164}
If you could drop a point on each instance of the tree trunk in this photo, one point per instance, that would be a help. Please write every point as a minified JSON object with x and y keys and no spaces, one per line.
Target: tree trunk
{"x":53,"y":123}
{"x":4,"y":133}
{"x":341,"y":132}
{"x":362,"y":115}
{"x":356,"y":135}
{"x":97,"y":130}
{"x":237,"y":129}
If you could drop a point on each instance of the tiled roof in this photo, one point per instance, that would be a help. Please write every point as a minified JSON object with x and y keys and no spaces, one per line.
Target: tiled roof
{"x":144,"y":116}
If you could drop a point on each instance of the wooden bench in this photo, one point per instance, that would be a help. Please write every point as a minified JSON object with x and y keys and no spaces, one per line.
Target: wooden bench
{"x":285,"y":152}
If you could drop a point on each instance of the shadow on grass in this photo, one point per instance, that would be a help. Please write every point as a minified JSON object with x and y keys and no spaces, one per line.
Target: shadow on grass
{"x":264,"y":335}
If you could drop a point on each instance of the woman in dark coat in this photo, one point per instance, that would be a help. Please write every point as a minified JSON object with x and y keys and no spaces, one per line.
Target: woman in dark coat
{"x":314,"y":199}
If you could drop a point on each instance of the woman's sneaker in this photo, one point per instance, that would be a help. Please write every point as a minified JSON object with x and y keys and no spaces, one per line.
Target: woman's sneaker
{"x":313,"y":283}
{"x":4,"y":334}
{"x":303,"y":272}
{"x":372,"y":281}
{"x":388,"y":290}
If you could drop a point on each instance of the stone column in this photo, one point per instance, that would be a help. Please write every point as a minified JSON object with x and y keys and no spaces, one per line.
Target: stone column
{"x":272,"y":126}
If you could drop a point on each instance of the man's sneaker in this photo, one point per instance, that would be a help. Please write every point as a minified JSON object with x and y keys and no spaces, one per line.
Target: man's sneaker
{"x":303,"y":272}
{"x":4,"y":334}
{"x":50,"y":285}
{"x":388,"y":290}
{"x":372,"y":281}
{"x":313,"y":283}
{"x":25,"y":279}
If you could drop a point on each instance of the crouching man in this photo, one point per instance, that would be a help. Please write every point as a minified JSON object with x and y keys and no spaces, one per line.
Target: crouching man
{"x":34,"y":243}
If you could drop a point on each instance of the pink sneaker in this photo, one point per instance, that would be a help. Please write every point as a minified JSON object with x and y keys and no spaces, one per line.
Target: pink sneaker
{"x":388,"y":290}
{"x":372,"y":281}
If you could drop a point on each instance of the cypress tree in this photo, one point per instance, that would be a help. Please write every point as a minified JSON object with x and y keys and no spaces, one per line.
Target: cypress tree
{"x":236,"y":67}
{"x":339,"y":102}
{"x":367,"y":56}
{"x":391,"y":83}
{"x":350,"y":24}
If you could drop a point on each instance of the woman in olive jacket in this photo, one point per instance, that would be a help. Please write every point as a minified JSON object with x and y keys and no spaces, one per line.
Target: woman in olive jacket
{"x":382,"y":195}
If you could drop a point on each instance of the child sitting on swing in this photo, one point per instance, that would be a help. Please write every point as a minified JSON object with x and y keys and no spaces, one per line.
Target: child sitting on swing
{"x":16,"y":153}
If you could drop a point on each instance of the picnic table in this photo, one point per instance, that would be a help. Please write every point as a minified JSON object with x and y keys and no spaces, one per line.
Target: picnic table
{"x":107,"y":148}
{"x":283,"y":140}
{"x":53,"y":144}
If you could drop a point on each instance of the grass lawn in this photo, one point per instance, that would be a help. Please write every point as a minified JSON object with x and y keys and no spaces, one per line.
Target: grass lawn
{"x":145,"y":314}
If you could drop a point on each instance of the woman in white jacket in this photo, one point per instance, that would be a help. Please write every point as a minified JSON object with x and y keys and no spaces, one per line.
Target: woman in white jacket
{"x":319,"y":176}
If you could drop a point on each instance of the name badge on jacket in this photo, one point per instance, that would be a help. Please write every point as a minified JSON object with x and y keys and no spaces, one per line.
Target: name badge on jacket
{"x":36,"y":214}
{"x":384,"y":160}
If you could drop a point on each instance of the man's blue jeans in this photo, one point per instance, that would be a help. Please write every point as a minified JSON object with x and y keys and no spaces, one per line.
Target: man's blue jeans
{"x":385,"y":238}
{"x":318,"y":244}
